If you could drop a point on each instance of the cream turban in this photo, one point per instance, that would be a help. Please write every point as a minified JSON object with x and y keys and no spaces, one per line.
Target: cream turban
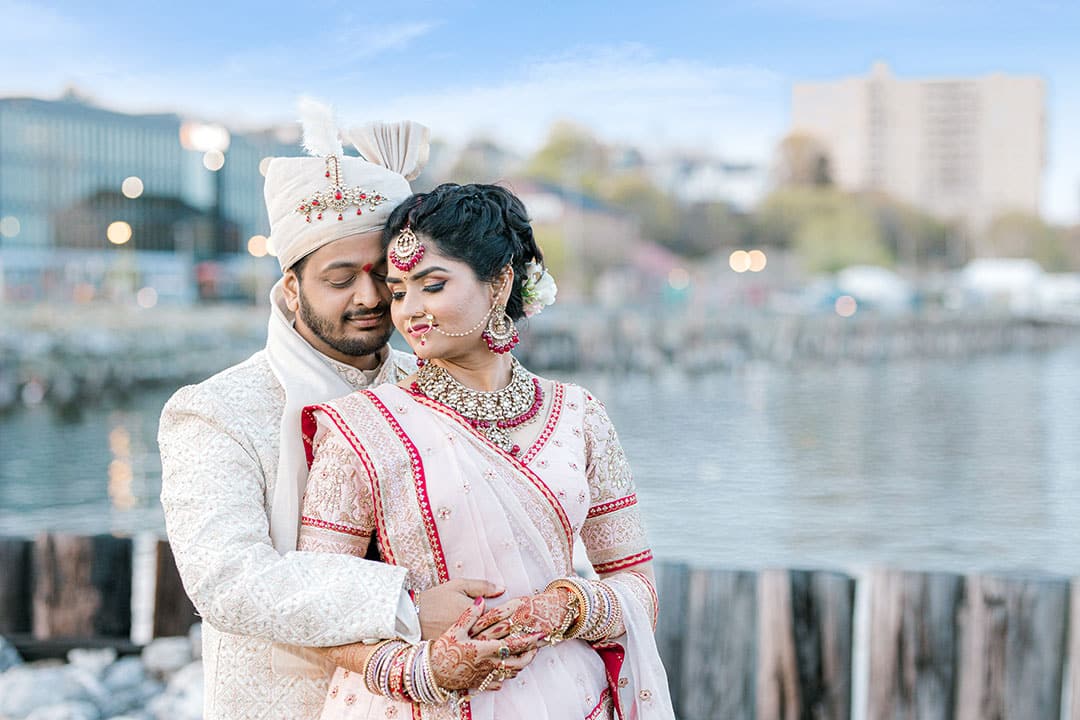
{"x":308,"y":210}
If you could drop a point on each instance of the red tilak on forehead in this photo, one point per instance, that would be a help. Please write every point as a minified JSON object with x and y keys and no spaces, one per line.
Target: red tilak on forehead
{"x":367,"y":268}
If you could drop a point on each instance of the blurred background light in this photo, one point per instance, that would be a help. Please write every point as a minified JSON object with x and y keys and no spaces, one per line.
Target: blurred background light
{"x":257,"y":245}
{"x":213,"y":160}
{"x":204,"y":137}
{"x":118,"y":232}
{"x":678,"y":278}
{"x":9,"y":226}
{"x":846,"y":306}
{"x":132,"y":187}
{"x":147,"y":297}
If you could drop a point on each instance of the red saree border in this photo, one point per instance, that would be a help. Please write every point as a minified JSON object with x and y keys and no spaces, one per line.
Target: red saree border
{"x":334,"y":416}
{"x":536,"y":480}
{"x":610,"y":507}
{"x":336,"y":527}
{"x":605,"y":700}
{"x":627,"y":562}
{"x":549,"y":426}
{"x":613,"y":655}
{"x":420,"y":480}
{"x":309,"y":425}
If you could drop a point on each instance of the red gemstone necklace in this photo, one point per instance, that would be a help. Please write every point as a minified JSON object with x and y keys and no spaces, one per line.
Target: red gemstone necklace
{"x":495,"y":414}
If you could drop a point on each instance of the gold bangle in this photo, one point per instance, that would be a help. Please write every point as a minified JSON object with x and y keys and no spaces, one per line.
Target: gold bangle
{"x":582,"y":606}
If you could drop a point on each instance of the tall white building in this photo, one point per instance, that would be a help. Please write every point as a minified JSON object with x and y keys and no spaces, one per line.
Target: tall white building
{"x":963,"y":148}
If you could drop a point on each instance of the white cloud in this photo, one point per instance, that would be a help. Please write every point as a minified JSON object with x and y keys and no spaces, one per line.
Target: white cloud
{"x":623,"y":93}
{"x":368,"y":41}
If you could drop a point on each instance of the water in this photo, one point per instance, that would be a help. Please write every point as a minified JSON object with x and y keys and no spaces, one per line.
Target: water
{"x":925,"y":465}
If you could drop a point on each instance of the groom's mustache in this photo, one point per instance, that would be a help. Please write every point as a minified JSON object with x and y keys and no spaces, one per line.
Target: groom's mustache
{"x":377,"y":311}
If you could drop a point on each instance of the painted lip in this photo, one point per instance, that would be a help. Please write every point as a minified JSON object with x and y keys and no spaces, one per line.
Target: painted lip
{"x":420,"y":330}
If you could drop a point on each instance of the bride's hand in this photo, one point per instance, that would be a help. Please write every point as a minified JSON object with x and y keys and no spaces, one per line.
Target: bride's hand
{"x":461,"y":662}
{"x":541,"y":613}
{"x":443,"y":604}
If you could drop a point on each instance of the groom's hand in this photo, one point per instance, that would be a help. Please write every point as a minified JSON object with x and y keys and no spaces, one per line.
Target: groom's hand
{"x":442,"y":605}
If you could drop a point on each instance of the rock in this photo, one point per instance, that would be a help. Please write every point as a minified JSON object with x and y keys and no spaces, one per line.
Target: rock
{"x":164,"y":656}
{"x":183,"y":698}
{"x":132,"y":699}
{"x":90,"y":681}
{"x":9,"y":656}
{"x":124,"y":673}
{"x":195,"y":635}
{"x":26,"y":688}
{"x":129,"y":686}
{"x":76,"y":710}
{"x":93,"y":661}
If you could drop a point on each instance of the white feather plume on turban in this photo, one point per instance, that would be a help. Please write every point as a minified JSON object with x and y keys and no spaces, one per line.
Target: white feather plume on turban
{"x":391,"y":155}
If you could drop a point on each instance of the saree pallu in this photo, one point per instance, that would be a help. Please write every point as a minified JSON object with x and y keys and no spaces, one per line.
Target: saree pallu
{"x":444,"y":502}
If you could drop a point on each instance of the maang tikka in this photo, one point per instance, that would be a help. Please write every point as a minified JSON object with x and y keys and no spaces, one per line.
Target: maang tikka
{"x":407,"y":250}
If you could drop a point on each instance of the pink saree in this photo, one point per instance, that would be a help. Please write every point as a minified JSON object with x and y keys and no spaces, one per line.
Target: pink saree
{"x":444,"y":502}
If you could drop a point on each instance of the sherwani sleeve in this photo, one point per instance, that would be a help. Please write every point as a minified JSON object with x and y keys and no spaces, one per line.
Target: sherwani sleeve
{"x":213,"y":494}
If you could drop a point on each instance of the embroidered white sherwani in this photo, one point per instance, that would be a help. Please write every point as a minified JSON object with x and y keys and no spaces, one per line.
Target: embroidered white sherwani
{"x":220,"y":444}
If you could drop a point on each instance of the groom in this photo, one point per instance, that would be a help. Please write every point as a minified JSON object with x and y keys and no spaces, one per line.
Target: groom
{"x":233,"y":461}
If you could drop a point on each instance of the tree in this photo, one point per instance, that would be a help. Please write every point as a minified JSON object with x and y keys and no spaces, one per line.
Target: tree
{"x":801,"y":161}
{"x":1018,"y":234}
{"x":572,"y":158}
{"x":912,"y":236}
{"x":482,"y":161}
{"x":827,"y":229}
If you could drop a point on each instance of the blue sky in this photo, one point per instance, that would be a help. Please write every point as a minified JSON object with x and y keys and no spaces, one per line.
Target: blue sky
{"x":674,"y":74}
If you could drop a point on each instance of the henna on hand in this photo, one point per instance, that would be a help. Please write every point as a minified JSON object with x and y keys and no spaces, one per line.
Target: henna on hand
{"x":350,"y":657}
{"x":456,"y":664}
{"x":460,"y":662}
{"x":542,"y":613}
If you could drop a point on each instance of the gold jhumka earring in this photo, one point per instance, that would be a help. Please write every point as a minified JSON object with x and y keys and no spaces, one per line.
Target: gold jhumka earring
{"x":500,"y":334}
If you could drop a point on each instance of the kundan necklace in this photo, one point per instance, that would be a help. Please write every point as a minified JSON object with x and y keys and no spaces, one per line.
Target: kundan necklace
{"x":494,"y":414}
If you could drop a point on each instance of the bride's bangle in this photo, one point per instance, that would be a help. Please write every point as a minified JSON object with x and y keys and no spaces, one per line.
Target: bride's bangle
{"x":583,"y":610}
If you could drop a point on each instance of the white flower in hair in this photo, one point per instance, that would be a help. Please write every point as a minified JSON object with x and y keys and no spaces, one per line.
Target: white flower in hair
{"x":538,"y":290}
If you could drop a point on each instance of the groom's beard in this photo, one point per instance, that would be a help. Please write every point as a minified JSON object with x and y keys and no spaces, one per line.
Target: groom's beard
{"x":341,"y":336}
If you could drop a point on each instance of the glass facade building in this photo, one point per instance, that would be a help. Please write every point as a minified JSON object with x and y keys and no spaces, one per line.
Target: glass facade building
{"x":63,"y":166}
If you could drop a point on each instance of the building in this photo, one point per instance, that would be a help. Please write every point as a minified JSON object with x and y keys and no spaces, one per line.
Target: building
{"x":581,"y":236}
{"x":702,"y":179}
{"x":70,"y":171}
{"x":960,"y":148}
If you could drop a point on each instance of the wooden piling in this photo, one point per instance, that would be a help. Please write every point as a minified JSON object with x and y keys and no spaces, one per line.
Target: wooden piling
{"x":1012,"y":650}
{"x":1072,"y":701}
{"x":913,"y":645}
{"x":719,"y":655}
{"x":804,"y":645}
{"x":82,"y":586}
{"x":14,"y":586}
{"x":672,"y":584}
{"x":173,"y":612}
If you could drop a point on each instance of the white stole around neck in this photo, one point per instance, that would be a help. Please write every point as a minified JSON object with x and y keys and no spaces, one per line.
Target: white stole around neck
{"x":307,"y":379}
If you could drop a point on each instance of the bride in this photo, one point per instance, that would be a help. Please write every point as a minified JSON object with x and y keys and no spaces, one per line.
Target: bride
{"x":475,"y":467}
